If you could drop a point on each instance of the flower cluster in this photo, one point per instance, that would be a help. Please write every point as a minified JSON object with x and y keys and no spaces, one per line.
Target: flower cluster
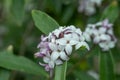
{"x":88,"y":6}
{"x":58,"y":46}
{"x":102,"y":34}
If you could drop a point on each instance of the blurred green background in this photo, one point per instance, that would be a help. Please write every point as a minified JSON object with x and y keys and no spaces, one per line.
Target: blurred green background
{"x":17,"y":29}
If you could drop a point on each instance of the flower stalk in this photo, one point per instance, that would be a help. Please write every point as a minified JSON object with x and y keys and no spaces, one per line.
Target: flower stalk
{"x":106,"y":66}
{"x":60,"y":72}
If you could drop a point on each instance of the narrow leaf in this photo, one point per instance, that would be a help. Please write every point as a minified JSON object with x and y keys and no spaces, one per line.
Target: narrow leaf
{"x":67,"y":15}
{"x":83,"y":76}
{"x":19,"y":63}
{"x":4,"y":74}
{"x":18,"y":11}
{"x":7,"y":6}
{"x":60,"y":72}
{"x":111,"y":12}
{"x":58,"y":6}
{"x":44,"y":22}
{"x":106,"y":66}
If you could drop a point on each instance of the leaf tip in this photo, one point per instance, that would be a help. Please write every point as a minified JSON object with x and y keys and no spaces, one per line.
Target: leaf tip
{"x":10,"y":48}
{"x":33,"y":11}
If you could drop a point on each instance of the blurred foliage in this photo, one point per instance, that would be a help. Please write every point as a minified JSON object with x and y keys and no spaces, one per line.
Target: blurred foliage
{"x":18,"y":29}
{"x":106,"y":66}
{"x":19,"y":63}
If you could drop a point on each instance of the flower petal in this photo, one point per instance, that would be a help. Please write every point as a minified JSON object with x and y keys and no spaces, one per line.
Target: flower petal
{"x":61,"y":47}
{"x":78,"y":31}
{"x":39,"y":54}
{"x":75,"y":37}
{"x":86,"y":45}
{"x":102,"y":30}
{"x":72,"y":27}
{"x":73,"y":42}
{"x":104,"y":46}
{"x":47,"y":68}
{"x":80,"y":44}
{"x":61,"y":41}
{"x":51,"y":64}
{"x":96,"y":39}
{"x":67,"y":37}
{"x":53,"y":46}
{"x":68,"y":49}
{"x":46,"y":59}
{"x":63,"y":56}
{"x":98,"y":24}
{"x":42,"y":64}
{"x":87,"y":36}
{"x":54,"y":55}
{"x":110,"y":31}
{"x":105,"y":22}
{"x":57,"y":32}
{"x":105,"y":37}
{"x":111,"y":44}
{"x":82,"y":38}
{"x":58,"y":62}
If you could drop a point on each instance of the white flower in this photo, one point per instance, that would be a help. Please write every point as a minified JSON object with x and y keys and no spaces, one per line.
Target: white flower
{"x":98,"y":2}
{"x":57,"y":32}
{"x":107,"y":45}
{"x":107,"y":24}
{"x":59,"y":49}
{"x":58,"y":46}
{"x":80,"y":44}
{"x":93,"y":74}
{"x":88,"y":6}
{"x":105,"y":37}
{"x":101,"y":33}
{"x":102,"y":30}
{"x":87,"y":36}
{"x":51,"y":59}
{"x":68,"y":42}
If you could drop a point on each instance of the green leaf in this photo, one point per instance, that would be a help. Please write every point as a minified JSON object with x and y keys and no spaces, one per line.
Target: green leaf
{"x":35,"y":77}
{"x":7,"y":6}
{"x":67,"y":14}
{"x":44,"y":22}
{"x":60,"y":72}
{"x":111,"y":12}
{"x":19,"y":63}
{"x":106,"y":66}
{"x":55,"y":6}
{"x":82,"y":76}
{"x":4,"y":74}
{"x":18,"y":11}
{"x":58,"y":7}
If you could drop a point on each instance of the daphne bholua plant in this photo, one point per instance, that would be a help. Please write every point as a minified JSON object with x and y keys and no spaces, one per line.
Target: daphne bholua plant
{"x":58,"y":46}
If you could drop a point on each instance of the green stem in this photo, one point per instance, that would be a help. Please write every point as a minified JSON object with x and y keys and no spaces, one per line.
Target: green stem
{"x":60,"y":72}
{"x":106,"y":66}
